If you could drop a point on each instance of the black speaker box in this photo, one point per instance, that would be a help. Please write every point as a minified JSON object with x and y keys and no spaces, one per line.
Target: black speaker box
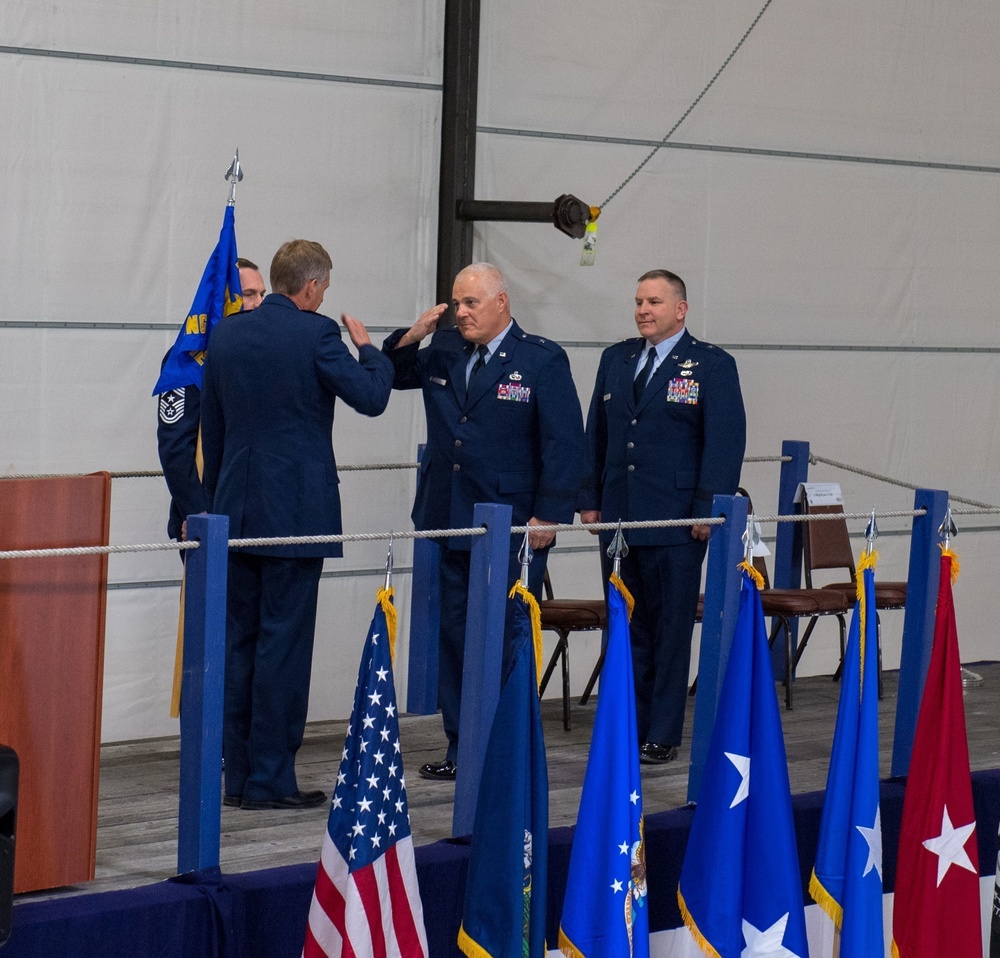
{"x":8,"y":826}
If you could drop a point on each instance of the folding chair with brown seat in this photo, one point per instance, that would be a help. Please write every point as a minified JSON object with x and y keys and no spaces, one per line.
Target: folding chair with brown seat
{"x":783,"y":605}
{"x":827,"y":545}
{"x":564,"y":616}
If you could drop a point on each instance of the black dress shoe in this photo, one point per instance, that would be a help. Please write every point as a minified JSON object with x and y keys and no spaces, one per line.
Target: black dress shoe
{"x":653,"y":754}
{"x":298,"y":800}
{"x":233,"y":801}
{"x":439,"y":771}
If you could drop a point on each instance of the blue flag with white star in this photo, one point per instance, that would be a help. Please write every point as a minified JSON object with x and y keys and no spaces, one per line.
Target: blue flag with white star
{"x":605,"y":914}
{"x":507,"y":883}
{"x":219,"y":294}
{"x":847,"y":879}
{"x":740,"y":890}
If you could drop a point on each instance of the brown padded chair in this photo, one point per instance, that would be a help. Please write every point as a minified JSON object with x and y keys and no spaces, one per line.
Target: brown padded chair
{"x":783,"y":605}
{"x":564,"y":616}
{"x":827,"y":545}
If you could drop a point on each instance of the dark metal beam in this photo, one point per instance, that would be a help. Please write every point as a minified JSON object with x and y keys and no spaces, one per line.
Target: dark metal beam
{"x":458,"y":139}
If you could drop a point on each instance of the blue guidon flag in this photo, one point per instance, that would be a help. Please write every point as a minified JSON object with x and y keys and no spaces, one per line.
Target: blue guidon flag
{"x":740,"y":890}
{"x":605,"y":914}
{"x":219,"y":294}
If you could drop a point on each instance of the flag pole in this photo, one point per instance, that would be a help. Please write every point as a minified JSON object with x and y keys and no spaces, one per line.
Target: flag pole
{"x":233,"y":176}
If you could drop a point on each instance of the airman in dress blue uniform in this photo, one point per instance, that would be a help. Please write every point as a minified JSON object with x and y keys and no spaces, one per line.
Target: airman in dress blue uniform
{"x":666,"y":432}
{"x":179,"y":416}
{"x":504,"y":425}
{"x":272,"y":379}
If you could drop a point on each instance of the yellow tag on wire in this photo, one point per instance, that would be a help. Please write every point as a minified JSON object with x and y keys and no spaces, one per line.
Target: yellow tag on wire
{"x":589,"y":245}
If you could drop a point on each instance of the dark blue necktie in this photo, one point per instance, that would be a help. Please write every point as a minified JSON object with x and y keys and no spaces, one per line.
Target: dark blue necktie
{"x":476,"y":367}
{"x":639,"y":383}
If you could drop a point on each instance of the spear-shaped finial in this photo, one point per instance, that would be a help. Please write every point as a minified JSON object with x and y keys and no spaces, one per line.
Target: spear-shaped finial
{"x":233,"y":175}
{"x":617,"y":550}
{"x":871,"y":533}
{"x":388,"y":564}
{"x":947,"y":529}
{"x":525,"y":555}
{"x":751,"y":539}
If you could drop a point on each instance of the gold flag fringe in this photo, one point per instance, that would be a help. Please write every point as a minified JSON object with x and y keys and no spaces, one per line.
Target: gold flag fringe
{"x":755,"y":576}
{"x":536,"y":624}
{"x":825,"y":900}
{"x":955,"y":567}
{"x":384,"y":597}
{"x":568,"y":948}
{"x":626,"y":595}
{"x":700,"y":940}
{"x":469,"y":947}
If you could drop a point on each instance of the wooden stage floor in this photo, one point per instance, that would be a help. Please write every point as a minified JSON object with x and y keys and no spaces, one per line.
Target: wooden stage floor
{"x":137,"y":822}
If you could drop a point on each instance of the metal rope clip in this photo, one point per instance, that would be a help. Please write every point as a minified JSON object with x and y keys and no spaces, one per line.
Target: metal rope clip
{"x":947,"y":528}
{"x":525,"y":555}
{"x":871,"y":533}
{"x":233,"y":176}
{"x":388,"y":564}
{"x":751,"y":539}
{"x":617,"y":550}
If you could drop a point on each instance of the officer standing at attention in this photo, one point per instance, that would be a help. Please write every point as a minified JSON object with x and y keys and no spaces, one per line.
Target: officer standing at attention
{"x":666,"y":432}
{"x":177,"y":427}
{"x":272,"y":379}
{"x":504,"y":425}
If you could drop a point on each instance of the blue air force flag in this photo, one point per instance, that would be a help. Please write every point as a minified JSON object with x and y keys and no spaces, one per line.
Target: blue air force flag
{"x":847,"y":878}
{"x":507,"y":883}
{"x":740,"y":892}
{"x":604,"y":911}
{"x":219,"y":294}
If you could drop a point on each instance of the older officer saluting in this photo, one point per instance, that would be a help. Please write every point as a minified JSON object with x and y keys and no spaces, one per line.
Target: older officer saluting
{"x":665,"y":433}
{"x":503,"y":425}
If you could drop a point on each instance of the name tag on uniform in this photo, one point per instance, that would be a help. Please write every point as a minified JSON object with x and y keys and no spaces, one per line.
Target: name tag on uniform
{"x":514,"y":392}
{"x":440,"y":382}
{"x":683,"y":391}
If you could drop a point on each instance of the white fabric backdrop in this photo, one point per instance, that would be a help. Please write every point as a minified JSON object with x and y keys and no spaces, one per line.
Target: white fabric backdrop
{"x":113,"y":196}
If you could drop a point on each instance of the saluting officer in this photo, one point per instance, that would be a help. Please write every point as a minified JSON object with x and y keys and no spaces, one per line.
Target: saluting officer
{"x":504,"y":425}
{"x":666,"y":432}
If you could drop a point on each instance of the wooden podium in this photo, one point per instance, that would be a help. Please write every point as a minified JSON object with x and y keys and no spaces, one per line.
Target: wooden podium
{"x":52,"y":613}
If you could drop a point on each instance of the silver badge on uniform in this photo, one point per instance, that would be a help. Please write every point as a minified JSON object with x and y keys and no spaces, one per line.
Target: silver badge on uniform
{"x":172,"y":406}
{"x":515,"y":377}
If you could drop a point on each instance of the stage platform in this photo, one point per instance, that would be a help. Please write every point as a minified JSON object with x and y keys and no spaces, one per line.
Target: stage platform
{"x":137,"y":825}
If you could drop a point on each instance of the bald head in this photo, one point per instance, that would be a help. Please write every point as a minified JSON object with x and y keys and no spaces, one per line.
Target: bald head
{"x":482,"y":308}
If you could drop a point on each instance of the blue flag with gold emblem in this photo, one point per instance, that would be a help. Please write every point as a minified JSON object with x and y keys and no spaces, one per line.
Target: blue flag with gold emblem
{"x":508,"y":868}
{"x":847,"y":878}
{"x":605,"y":914}
{"x":219,"y":294}
{"x":740,"y":890}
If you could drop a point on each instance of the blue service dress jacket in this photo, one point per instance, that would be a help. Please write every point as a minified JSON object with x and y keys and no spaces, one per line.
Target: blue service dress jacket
{"x":668,"y":455}
{"x":272,"y":377}
{"x":517,"y":439}
{"x":179,"y":413}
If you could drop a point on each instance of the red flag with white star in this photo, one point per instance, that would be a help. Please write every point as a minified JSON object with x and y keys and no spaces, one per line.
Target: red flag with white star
{"x":936,"y":910}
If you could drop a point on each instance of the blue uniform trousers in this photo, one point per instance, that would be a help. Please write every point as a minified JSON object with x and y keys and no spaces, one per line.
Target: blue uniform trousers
{"x":451,"y":647}
{"x":270,"y":624}
{"x":664,"y":581}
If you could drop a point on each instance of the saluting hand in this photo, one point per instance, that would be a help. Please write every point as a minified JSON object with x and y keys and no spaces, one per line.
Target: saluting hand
{"x":356,"y":330}
{"x":424,"y":326}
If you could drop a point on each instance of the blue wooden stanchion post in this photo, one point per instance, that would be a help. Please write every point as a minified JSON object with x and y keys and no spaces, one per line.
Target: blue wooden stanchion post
{"x":483,"y":655}
{"x":788,"y":547}
{"x":425,"y":620}
{"x":918,"y":621}
{"x":201,"y":694}
{"x":722,"y":605}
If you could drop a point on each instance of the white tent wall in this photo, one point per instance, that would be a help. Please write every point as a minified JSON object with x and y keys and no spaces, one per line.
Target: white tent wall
{"x":852,"y":276}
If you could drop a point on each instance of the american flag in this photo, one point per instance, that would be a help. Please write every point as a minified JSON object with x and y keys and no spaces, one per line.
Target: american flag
{"x":366,"y":901}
